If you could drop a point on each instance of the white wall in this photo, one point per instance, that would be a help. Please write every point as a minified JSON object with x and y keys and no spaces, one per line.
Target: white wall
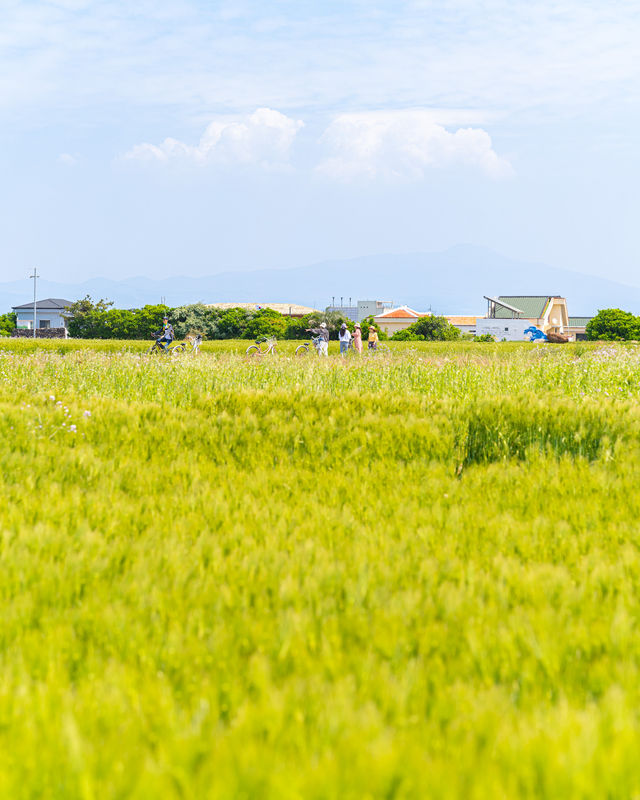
{"x":511,"y":330}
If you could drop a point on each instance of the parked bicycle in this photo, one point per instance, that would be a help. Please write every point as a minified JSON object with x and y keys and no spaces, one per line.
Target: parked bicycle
{"x":191,"y":345}
{"x":303,"y":349}
{"x":264,"y":346}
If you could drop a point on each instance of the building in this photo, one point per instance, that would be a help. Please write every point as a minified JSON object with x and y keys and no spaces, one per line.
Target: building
{"x":349,"y":312}
{"x":546,"y":312}
{"x":49,"y":314}
{"x":287,"y":309}
{"x":578,"y":327}
{"x":504,"y":330}
{"x":465,"y":324}
{"x":371,"y":308}
{"x":396,"y":319}
{"x":549,"y":313}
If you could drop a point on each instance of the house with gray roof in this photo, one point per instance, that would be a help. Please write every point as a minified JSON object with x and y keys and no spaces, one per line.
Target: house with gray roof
{"x":49,"y":313}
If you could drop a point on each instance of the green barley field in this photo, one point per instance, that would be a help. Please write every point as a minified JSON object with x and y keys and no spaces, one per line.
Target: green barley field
{"x":411,"y":575}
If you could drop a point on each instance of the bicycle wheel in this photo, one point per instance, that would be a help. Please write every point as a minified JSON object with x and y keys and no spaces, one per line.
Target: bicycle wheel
{"x":302,"y":350}
{"x":179,"y":349}
{"x":253,"y":351}
{"x":153,"y":349}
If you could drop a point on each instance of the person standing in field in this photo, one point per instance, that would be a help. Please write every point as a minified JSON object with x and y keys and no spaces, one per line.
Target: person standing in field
{"x":357,"y":338}
{"x":345,"y":337}
{"x":373,"y":338}
{"x":323,"y":333}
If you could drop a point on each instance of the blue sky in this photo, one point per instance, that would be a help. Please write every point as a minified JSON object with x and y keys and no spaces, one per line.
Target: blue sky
{"x":169,"y":137}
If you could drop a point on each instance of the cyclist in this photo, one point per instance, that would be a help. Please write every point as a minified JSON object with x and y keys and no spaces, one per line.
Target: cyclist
{"x":323,"y":333}
{"x":166,"y":335}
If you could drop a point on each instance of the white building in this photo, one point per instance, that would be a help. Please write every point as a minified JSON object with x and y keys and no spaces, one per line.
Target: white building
{"x":49,"y":314}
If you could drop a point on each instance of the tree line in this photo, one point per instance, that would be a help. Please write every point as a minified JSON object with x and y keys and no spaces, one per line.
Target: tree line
{"x":97,"y":320}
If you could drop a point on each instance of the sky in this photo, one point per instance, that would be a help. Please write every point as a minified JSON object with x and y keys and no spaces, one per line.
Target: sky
{"x":182,"y":137}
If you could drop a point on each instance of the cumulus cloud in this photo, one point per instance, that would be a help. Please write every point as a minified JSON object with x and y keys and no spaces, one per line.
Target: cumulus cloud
{"x":404,"y":144}
{"x":264,"y":138}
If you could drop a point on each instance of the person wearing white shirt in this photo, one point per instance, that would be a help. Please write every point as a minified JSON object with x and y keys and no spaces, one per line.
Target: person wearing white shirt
{"x":344,"y":337}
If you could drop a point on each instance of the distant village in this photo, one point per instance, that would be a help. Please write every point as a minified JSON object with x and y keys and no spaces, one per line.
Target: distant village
{"x":506,"y":319}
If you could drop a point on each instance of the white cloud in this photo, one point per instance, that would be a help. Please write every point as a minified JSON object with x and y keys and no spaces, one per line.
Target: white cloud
{"x":405,"y":144}
{"x":264,"y":138}
{"x":67,"y":159}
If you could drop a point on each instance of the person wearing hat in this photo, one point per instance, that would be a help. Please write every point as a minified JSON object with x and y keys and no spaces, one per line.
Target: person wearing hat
{"x":345,"y":338}
{"x":373,"y":338}
{"x":357,"y":338}
{"x":167,"y":335}
{"x":323,"y":333}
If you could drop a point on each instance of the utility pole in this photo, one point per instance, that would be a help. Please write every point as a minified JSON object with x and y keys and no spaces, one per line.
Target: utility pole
{"x":35,"y":277}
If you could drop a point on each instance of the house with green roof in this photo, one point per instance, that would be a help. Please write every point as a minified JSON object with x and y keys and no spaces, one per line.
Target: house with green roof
{"x":549,"y":313}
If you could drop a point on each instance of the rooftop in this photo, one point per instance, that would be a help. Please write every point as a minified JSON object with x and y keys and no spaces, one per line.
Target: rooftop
{"x":50,"y":304}
{"x":532,"y":306}
{"x":402,"y":312}
{"x":464,"y":320}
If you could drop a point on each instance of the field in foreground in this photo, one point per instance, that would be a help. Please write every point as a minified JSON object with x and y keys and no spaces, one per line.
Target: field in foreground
{"x":400,"y":577}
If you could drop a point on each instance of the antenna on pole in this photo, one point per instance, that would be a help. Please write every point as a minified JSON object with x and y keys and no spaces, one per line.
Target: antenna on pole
{"x":34,"y":277}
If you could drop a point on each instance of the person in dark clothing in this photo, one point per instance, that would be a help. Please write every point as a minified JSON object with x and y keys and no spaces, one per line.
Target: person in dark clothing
{"x":323,"y":333}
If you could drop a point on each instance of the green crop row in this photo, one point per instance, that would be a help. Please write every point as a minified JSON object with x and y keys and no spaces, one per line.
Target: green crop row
{"x":400,"y":577}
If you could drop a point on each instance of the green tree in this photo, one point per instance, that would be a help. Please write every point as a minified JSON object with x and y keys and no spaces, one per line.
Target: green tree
{"x":368,"y":322}
{"x":297,"y":328}
{"x":196,"y":318}
{"x":429,"y":329}
{"x":266,"y":322}
{"x":7,"y":323}
{"x":233,"y":323}
{"x":613,"y":324}
{"x":84,"y":317}
{"x":147,"y":321}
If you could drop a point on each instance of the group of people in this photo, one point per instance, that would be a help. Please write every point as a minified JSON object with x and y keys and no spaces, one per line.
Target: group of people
{"x":167,"y":335}
{"x":345,"y":337}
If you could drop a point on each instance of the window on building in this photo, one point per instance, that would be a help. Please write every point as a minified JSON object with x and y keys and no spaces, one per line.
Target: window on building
{"x":45,"y":323}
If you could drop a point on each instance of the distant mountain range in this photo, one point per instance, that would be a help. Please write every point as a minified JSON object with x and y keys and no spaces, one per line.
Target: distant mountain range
{"x":450,"y":282}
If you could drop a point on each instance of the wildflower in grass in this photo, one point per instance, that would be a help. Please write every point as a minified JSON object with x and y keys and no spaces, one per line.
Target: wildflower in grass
{"x":86,"y":414}
{"x":72,"y":428}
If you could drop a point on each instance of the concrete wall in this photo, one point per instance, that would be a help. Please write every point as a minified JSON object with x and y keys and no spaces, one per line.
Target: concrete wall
{"x":510,"y":330}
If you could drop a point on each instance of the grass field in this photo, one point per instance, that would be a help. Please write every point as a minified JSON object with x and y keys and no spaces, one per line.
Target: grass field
{"x":406,"y":576}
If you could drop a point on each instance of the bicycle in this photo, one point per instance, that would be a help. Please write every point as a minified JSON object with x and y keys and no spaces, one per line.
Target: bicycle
{"x":158,"y":348}
{"x":192,"y":345}
{"x":303,"y":349}
{"x":257,"y":351}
